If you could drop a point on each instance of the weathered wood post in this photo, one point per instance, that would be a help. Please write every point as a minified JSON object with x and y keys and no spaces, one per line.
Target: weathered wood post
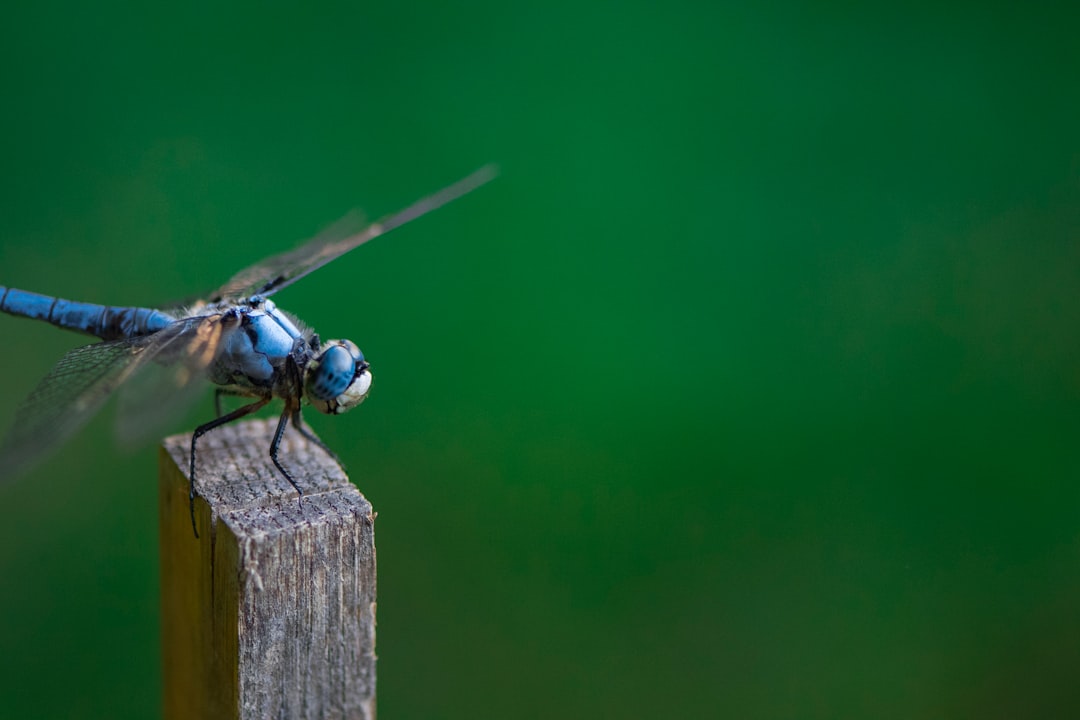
{"x":271,"y":612}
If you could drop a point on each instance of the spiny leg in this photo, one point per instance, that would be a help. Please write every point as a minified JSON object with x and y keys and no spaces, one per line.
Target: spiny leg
{"x":298,"y":423}
{"x":275,"y":445}
{"x":202,"y":430}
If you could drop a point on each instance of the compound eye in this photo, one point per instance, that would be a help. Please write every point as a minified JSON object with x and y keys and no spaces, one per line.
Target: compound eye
{"x":335,"y":370}
{"x":338,"y":379}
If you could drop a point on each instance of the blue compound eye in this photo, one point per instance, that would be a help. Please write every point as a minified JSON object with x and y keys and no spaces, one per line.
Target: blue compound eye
{"x":338,"y":379}
{"x":335,"y":370}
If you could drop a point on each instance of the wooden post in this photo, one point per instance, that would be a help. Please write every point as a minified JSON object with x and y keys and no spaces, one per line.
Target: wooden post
{"x":271,"y":612}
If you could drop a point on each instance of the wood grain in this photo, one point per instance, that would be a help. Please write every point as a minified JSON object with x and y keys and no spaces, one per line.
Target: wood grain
{"x":271,"y":612}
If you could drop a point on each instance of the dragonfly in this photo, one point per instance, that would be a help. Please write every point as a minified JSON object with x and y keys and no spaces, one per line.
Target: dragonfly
{"x":236,"y":338}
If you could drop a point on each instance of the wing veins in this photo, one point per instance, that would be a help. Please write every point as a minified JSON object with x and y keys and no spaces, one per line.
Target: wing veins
{"x":280,"y":271}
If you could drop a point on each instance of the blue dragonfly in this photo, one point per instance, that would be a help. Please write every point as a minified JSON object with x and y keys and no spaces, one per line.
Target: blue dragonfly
{"x":237,"y":338}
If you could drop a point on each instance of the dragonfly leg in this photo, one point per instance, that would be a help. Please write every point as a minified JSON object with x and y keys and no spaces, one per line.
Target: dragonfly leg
{"x":202,"y":430}
{"x":275,"y":445}
{"x":298,"y":423}
{"x":220,"y":393}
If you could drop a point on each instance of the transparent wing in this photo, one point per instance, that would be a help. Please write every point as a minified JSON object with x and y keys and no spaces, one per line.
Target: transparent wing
{"x":164,"y":390}
{"x":78,"y":385}
{"x":152,"y":403}
{"x":69,"y":395}
{"x":350,"y":232}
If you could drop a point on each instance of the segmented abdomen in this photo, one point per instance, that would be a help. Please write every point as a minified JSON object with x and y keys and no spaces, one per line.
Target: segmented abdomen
{"x":103,"y":321}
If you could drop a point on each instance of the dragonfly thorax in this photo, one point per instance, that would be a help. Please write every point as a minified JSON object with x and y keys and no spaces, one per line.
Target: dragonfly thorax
{"x":337,"y":379}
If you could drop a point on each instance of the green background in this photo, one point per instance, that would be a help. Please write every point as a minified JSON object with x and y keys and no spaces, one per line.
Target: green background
{"x":751,"y":389}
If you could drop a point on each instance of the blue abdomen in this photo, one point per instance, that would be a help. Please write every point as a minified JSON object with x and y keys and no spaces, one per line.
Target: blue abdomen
{"x":103,"y":321}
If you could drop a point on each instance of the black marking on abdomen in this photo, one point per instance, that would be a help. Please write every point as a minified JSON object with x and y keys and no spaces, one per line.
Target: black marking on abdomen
{"x":105,"y":322}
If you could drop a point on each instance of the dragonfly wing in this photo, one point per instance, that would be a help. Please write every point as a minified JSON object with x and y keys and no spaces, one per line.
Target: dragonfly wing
{"x":256,"y":279}
{"x":161,"y":391}
{"x":350,"y":232}
{"x":78,"y":385}
{"x":69,"y":395}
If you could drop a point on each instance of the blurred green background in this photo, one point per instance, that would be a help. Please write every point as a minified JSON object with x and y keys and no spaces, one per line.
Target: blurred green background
{"x":751,"y":389}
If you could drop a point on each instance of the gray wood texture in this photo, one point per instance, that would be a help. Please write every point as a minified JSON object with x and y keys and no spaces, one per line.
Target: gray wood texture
{"x":271,"y":612}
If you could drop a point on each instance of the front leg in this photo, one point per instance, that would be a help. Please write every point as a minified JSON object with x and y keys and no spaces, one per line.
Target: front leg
{"x":276,"y":445}
{"x":202,"y":430}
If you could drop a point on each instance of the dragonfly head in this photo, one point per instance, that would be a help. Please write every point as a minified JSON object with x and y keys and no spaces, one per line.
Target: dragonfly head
{"x":337,"y":379}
